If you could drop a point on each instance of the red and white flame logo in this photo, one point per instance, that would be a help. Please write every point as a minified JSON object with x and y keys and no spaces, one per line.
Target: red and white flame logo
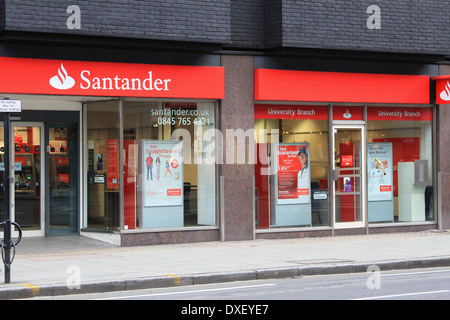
{"x":445,"y":94}
{"x":62,"y":80}
{"x":347,"y":115}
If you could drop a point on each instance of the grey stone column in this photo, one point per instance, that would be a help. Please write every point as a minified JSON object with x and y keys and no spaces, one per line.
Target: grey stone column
{"x":236,"y":113}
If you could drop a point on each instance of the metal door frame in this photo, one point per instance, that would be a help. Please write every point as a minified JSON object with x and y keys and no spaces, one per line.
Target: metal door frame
{"x":356,"y":224}
{"x":14,"y":124}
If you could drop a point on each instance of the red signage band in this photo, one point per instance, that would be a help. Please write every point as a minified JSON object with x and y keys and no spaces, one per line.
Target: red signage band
{"x":289,"y":85}
{"x":58,"y":77}
{"x":271,"y":111}
{"x":399,"y":114}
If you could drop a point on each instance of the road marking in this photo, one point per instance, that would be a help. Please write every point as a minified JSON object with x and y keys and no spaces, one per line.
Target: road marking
{"x":190,"y":291}
{"x":176,"y":279}
{"x":34,"y":289}
{"x":402,"y":295}
{"x":414,"y":273}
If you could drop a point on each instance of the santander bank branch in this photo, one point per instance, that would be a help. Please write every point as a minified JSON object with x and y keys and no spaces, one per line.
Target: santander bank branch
{"x":132,"y":153}
{"x":112,"y":149}
{"x":346,"y":153}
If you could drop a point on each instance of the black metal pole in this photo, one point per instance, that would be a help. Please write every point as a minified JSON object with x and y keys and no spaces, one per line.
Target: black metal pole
{"x":7,"y":227}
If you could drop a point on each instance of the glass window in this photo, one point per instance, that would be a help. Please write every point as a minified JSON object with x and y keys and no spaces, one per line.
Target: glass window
{"x":63,"y":173}
{"x":400,"y":164}
{"x":27,"y":176}
{"x":291,"y":188}
{"x":167,"y":183}
{"x":103,"y":123}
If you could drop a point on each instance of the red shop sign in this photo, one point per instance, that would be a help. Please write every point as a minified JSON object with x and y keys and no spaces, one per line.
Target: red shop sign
{"x":42,"y":76}
{"x":289,"y":85}
{"x":272,"y":111}
{"x":442,"y":89}
{"x":399,"y":114}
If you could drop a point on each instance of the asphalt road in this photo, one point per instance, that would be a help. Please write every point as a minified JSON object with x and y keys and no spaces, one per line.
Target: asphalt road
{"x":418,"y":284}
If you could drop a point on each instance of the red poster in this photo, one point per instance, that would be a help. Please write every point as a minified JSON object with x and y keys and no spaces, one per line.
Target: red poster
{"x":64,"y":177}
{"x":262,"y":186}
{"x":346,"y":154}
{"x":346,"y":160}
{"x":62,"y":161}
{"x":112,"y":164}
{"x":287,"y":185}
{"x":347,"y":183}
{"x":21,"y":160}
{"x":293,"y":176}
{"x":288,"y":166}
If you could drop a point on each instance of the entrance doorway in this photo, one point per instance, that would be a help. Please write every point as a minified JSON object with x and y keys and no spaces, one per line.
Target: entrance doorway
{"x":62,"y":172}
{"x":27,"y":169}
{"x":44,"y":168}
{"x":348,"y":176}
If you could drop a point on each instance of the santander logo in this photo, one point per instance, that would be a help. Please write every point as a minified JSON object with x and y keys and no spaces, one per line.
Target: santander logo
{"x":347,"y":115}
{"x":62,"y":80}
{"x":445,"y":94}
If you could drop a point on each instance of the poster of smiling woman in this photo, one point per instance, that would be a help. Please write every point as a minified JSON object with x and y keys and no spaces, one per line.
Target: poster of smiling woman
{"x":292,"y":184}
{"x":293,"y":173}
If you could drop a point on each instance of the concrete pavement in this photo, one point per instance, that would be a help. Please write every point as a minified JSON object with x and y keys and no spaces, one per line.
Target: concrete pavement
{"x":76,"y":264}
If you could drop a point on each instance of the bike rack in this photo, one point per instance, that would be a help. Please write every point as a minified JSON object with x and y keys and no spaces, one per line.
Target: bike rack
{"x":6,"y":248}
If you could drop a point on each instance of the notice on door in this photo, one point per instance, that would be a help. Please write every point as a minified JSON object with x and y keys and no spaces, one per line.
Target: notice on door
{"x":379,"y":168}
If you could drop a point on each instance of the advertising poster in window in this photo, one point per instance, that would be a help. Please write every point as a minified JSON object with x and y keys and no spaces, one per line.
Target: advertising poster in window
{"x":162,"y":174}
{"x":293,"y":173}
{"x":379,"y":168}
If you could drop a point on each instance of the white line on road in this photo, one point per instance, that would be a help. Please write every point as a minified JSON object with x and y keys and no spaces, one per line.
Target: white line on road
{"x":184,"y":292}
{"x":414,"y":273}
{"x":403,"y":295}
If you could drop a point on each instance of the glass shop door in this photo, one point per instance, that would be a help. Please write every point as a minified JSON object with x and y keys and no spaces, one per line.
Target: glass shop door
{"x":348,"y":176}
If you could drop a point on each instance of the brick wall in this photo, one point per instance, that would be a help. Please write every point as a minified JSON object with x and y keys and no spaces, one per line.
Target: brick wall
{"x":413,"y":26}
{"x":177,"y":20}
{"x":247,"y":23}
